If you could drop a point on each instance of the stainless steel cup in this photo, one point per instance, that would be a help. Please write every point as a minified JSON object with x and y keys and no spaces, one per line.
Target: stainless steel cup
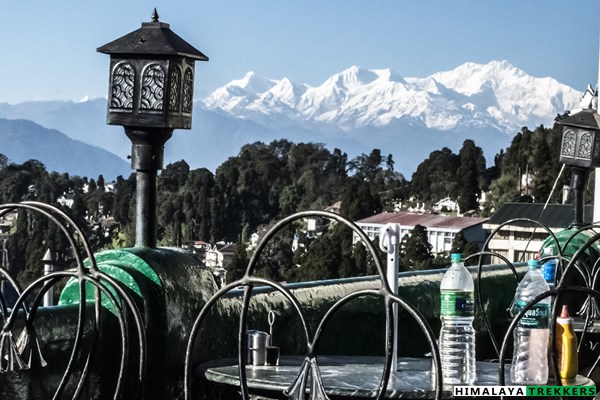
{"x":258,"y":341}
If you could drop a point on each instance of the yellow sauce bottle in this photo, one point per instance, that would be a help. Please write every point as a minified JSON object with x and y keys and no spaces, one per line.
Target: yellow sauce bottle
{"x":566,"y":346}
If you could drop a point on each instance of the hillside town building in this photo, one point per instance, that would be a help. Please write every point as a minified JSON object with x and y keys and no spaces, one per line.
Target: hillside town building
{"x":446,"y":205}
{"x":521,"y":241}
{"x":441,"y":229}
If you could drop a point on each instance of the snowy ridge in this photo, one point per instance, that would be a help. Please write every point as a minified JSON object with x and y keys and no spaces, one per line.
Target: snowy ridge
{"x":355,"y":110}
{"x":495,"y":95}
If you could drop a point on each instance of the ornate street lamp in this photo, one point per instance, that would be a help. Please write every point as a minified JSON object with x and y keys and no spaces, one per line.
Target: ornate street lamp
{"x":580,"y":150}
{"x":151,"y":89}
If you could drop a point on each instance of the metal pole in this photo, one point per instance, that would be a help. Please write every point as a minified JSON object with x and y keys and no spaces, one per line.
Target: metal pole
{"x":147,"y":153}
{"x":145,"y":221}
{"x":596,"y":216}
{"x":578,"y":178}
{"x":5,"y":266}
{"x":48,"y":261}
{"x":389,"y":241}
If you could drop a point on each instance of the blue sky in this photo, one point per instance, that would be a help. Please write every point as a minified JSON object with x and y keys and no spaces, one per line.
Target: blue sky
{"x":49,"y":47}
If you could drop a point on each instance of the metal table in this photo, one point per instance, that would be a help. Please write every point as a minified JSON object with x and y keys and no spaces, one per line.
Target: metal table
{"x":345,"y":376}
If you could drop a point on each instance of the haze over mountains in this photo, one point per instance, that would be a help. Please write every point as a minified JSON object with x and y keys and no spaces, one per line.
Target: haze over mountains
{"x":355,"y":110}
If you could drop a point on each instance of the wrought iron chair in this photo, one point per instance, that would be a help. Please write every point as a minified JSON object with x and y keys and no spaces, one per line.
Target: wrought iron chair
{"x":581,"y":266}
{"x":26,"y":352}
{"x":310,"y":371}
{"x":486,"y":253}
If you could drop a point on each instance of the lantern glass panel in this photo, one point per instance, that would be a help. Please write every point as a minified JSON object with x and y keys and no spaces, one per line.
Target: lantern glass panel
{"x":152,"y":88}
{"x":580,"y":147}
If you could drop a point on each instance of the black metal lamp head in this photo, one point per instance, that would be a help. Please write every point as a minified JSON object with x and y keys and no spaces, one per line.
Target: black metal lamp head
{"x":580,"y":150}
{"x":150,"y":94}
{"x":581,"y":139}
{"x":151,"y":78}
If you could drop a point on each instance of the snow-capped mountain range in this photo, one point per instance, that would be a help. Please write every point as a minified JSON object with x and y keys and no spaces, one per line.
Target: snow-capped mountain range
{"x":494,"y":95}
{"x":355,"y":110}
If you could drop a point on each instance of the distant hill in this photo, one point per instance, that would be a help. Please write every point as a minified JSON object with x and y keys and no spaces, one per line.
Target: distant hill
{"x":355,"y":110}
{"x":214,"y":137}
{"x":23,"y":140}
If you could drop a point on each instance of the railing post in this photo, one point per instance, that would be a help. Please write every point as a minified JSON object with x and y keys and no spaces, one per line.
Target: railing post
{"x":389,"y":241}
{"x":48,"y":261}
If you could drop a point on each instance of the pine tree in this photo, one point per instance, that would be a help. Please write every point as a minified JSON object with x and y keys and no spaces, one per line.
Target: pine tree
{"x":322,"y":260}
{"x":239,"y":263}
{"x":469,"y":176}
{"x":417,"y":249}
{"x":461,"y":245}
{"x":435,"y":177}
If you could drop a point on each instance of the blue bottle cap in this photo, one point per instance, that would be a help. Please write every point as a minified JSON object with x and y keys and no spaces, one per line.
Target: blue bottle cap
{"x":456,"y":257}
{"x":535,"y":264}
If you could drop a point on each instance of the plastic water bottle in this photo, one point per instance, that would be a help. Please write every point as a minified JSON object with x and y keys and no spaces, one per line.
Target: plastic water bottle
{"x":530,"y":353}
{"x":549,"y":267}
{"x":457,"y":337}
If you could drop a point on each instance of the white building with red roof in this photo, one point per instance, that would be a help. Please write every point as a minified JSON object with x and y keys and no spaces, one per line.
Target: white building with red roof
{"x":441,"y":229}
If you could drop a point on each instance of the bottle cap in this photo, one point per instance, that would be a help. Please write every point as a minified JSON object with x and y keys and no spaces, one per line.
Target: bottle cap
{"x":535,"y":264}
{"x":456,"y":257}
{"x":564,"y":318}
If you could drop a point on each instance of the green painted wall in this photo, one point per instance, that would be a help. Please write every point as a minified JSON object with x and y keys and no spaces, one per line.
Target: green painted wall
{"x":170,"y":287}
{"x":357,"y":328}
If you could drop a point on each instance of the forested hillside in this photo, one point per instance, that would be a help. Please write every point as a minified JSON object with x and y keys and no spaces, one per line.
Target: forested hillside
{"x":266,"y":182}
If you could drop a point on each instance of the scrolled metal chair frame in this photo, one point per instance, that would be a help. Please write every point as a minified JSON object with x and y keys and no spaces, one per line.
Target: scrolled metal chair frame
{"x":298,"y":388}
{"x":103,"y":285}
{"x":573,"y":265}
{"x":557,"y":291}
{"x":486,"y":252}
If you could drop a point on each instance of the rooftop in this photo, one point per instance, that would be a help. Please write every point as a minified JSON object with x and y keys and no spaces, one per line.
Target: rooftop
{"x":426,"y":220}
{"x":554,"y":216}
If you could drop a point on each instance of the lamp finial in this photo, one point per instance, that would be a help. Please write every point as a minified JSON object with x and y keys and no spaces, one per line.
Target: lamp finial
{"x":154,"y":15}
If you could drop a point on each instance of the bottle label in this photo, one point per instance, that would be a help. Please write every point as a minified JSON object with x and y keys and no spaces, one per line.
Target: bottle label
{"x":549,"y":270}
{"x":537,"y":317}
{"x":457,"y":304}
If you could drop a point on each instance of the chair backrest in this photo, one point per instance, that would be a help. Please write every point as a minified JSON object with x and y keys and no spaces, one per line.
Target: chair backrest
{"x":24,"y":351}
{"x":310,"y":366}
{"x":581,"y":267}
{"x":487,"y":253}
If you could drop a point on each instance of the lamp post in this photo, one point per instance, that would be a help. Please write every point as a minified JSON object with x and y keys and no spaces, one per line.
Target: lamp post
{"x":580,"y":150}
{"x":151,"y":89}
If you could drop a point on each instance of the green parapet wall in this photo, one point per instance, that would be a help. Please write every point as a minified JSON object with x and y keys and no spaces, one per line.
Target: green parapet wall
{"x":171,"y":286}
{"x":358,"y":328}
{"x":574,"y":239}
{"x":70,"y":294}
{"x":581,"y":274}
{"x":55,"y":328}
{"x":119,"y":264}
